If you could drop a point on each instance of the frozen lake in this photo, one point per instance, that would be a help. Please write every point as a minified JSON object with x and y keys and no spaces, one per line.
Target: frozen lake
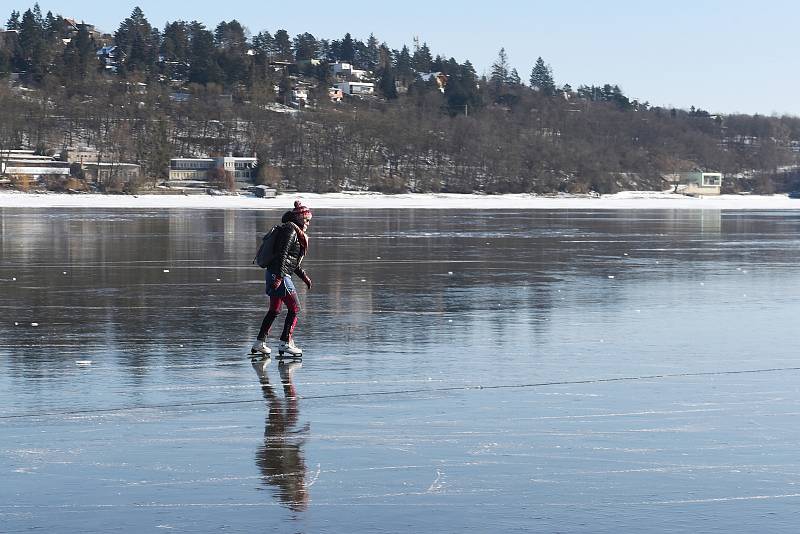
{"x":497,"y":371}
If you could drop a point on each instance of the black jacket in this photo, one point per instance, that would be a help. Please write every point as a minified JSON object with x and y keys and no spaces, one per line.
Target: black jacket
{"x":288,"y":253}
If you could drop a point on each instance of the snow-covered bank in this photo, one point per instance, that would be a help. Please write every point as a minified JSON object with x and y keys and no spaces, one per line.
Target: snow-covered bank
{"x":624,"y":200}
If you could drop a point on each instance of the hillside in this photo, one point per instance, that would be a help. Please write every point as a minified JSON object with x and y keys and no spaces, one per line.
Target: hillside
{"x":423,"y":123}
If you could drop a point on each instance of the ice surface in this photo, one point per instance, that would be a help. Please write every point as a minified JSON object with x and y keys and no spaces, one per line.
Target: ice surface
{"x":510,"y":387}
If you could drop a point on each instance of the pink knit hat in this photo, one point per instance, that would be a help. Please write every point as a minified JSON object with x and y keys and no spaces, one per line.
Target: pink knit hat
{"x":301,"y":211}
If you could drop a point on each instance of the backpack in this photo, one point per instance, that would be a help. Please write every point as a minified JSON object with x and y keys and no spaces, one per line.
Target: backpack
{"x":266,"y":251}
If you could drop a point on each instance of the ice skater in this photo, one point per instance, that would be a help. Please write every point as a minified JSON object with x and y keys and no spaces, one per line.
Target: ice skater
{"x":290,"y":247}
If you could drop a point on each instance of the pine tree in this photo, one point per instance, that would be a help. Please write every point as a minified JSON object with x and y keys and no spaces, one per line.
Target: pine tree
{"x":422,"y":60}
{"x":50,"y":27}
{"x":500,"y":71}
{"x":347,"y":51}
{"x":542,"y":78}
{"x":32,"y":46}
{"x":202,"y":58}
{"x":371,"y":57}
{"x":384,"y":56}
{"x":282,"y":46}
{"x":264,"y":44}
{"x":387,"y":83}
{"x":13,"y":21}
{"x":305,"y":47}
{"x":513,"y":78}
{"x":137,"y":41}
{"x":230,"y":36}
{"x":37,"y":15}
{"x":78,"y":57}
{"x":403,"y":64}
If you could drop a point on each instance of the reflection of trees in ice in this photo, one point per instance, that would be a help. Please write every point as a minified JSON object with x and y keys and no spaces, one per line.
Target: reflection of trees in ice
{"x":280,"y":458}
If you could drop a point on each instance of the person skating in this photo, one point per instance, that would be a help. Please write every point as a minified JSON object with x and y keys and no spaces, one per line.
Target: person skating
{"x":291,"y":246}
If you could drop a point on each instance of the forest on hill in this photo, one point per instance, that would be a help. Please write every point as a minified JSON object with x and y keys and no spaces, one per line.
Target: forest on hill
{"x":145,"y":95}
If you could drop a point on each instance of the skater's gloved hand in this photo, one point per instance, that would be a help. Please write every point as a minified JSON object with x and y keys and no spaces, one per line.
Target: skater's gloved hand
{"x":276,"y":283}
{"x":307,"y":280}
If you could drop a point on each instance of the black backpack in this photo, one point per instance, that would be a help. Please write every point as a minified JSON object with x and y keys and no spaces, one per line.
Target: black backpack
{"x":266,"y":251}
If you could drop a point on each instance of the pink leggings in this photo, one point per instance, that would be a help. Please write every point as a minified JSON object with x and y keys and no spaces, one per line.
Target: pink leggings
{"x":293,"y":309}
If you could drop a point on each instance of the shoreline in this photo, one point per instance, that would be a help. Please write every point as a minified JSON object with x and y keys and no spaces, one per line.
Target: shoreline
{"x":356,"y":200}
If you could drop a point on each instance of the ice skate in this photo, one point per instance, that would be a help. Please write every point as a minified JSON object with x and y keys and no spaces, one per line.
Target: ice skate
{"x":288,"y":347}
{"x":260,"y":349}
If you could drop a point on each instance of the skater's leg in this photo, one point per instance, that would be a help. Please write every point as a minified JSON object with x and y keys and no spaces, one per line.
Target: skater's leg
{"x":291,"y":317}
{"x":269,"y":318}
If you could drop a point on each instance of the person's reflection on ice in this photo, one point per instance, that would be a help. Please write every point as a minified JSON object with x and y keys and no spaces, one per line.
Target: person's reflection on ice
{"x":280,"y":458}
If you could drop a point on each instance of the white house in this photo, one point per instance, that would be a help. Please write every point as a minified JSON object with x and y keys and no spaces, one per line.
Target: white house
{"x":197,"y":169}
{"x":356,"y":88}
{"x":300,"y":95}
{"x":26,"y":163}
{"x":345,"y":71}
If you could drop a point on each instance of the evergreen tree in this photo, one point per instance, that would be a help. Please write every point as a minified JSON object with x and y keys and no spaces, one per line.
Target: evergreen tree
{"x":461,"y":91}
{"x":324,"y":49}
{"x":439,"y":64}
{"x":137,"y":41}
{"x":371,"y":57}
{"x":51,"y":28}
{"x":422,"y":60}
{"x":202,"y":58}
{"x":231,"y":52}
{"x":78,"y":57}
{"x":305,"y":47}
{"x":37,"y":15}
{"x":542,"y":78}
{"x":500,"y":71}
{"x":513,"y":78}
{"x":282,"y":49}
{"x":32,"y":46}
{"x":264,"y":44}
{"x":230,"y":36}
{"x":386,"y":83}
{"x":384,"y":57}
{"x":175,"y":49}
{"x":403,"y":64}
{"x":13,"y":21}
{"x":347,"y":51}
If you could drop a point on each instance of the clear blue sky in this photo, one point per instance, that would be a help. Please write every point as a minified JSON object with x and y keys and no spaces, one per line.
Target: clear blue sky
{"x":723,"y":56}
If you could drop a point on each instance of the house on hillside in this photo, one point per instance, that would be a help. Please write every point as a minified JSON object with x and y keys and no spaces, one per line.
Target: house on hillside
{"x":356,"y":88}
{"x":110,"y":56}
{"x":343,"y":72}
{"x":335,"y":94}
{"x":439,"y":78}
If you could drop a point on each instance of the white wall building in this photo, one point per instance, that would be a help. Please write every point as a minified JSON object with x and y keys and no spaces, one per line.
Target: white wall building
{"x":356,"y":88}
{"x":198,"y":168}
{"x":345,"y":71}
{"x":26,"y":163}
